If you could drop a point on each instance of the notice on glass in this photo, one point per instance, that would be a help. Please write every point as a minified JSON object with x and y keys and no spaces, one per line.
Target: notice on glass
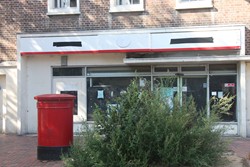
{"x":184,"y":89}
{"x":214,"y":93}
{"x":204,"y":85}
{"x":100,"y":94}
{"x":220,"y":94}
{"x":142,"y":82}
{"x":167,"y":92}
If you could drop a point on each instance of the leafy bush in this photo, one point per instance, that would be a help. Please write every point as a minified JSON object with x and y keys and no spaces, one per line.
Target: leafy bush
{"x":142,"y":130}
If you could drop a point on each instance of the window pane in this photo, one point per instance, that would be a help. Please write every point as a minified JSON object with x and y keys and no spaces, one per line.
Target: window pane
{"x":197,"y":88}
{"x":103,"y":91}
{"x":119,"y":2}
{"x":166,"y":69}
{"x":75,"y":111}
{"x":197,"y":68}
{"x":56,"y":4}
{"x":134,"y":1}
{"x":223,"y":67}
{"x":223,"y":85}
{"x":127,"y":2}
{"x":168,"y":89}
{"x":72,"y":3}
{"x":127,"y":69}
{"x":77,"y":71}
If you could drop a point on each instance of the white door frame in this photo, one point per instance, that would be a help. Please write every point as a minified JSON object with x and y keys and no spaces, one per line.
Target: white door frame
{"x":73,"y":84}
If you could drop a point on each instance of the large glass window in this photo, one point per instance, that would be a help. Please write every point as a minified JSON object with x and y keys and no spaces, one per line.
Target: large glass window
{"x":202,"y":82}
{"x":191,"y":4}
{"x":61,"y":7}
{"x":197,"y":88}
{"x":126,"y":5}
{"x":127,"y":2}
{"x":68,"y":71}
{"x":221,"y":86}
{"x":102,"y":91}
{"x":168,"y":88}
{"x":184,"y":87}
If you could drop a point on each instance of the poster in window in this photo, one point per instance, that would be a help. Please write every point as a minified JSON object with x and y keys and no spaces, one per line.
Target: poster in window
{"x":100,"y":94}
{"x":168,"y":95}
{"x":74,"y":93}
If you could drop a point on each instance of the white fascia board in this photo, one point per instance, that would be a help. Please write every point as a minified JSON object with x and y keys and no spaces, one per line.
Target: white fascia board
{"x":227,"y":58}
{"x":143,"y":40}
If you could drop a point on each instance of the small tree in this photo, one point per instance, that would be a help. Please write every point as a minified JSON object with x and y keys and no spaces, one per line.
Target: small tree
{"x":142,"y":130}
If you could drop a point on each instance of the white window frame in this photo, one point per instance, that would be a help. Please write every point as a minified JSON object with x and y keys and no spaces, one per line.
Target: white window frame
{"x":114,"y":7}
{"x":63,"y":11}
{"x":193,"y":4}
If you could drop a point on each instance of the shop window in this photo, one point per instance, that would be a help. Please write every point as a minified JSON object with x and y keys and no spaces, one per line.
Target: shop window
{"x":104,"y":84}
{"x":60,"y":7}
{"x":103,"y":91}
{"x":126,"y":5}
{"x":185,"y":87}
{"x":168,"y":89}
{"x":222,"y":68}
{"x":192,"y":4}
{"x":166,"y":69}
{"x":193,"y":68}
{"x":221,"y":86}
{"x":68,"y":71}
{"x":197,"y":88}
{"x":127,"y":70}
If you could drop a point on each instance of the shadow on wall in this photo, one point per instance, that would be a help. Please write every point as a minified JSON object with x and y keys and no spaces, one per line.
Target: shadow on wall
{"x":247,"y":40}
{"x":160,"y":14}
{"x":18,"y":16}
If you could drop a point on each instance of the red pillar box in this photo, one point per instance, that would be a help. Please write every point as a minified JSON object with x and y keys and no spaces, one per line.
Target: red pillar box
{"x":55,"y":125}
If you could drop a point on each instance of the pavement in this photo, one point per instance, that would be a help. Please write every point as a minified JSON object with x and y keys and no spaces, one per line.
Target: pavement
{"x":21,"y":151}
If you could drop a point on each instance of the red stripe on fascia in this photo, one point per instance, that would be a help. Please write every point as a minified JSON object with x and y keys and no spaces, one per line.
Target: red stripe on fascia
{"x":133,"y":50}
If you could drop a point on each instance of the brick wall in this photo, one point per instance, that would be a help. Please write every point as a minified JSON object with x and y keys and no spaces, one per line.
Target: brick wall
{"x":29,"y":16}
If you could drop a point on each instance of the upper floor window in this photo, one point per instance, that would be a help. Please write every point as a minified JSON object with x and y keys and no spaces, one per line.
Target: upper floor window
{"x":127,"y":2}
{"x":126,"y":5}
{"x":60,"y":7}
{"x":192,"y":4}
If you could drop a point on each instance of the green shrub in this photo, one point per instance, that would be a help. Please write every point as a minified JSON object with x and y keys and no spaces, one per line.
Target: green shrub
{"x":142,"y":130}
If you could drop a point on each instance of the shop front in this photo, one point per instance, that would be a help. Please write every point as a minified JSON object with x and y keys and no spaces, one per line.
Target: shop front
{"x":98,"y":66}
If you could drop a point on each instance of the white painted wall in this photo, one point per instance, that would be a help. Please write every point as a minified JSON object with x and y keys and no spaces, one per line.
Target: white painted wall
{"x":248,"y":99}
{"x":38,"y":82}
{"x":9,"y":99}
{"x":74,"y":84}
{"x":97,"y":59}
{"x":242,"y":100}
{"x":2,"y":102}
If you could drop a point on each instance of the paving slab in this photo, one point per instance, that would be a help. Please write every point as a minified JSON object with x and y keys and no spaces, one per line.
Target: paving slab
{"x":21,"y":151}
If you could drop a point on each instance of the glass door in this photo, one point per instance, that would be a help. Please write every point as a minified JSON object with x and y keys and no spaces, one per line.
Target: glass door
{"x":221,"y":86}
{"x":168,"y":88}
{"x":197,"y":88}
{"x":184,"y":87}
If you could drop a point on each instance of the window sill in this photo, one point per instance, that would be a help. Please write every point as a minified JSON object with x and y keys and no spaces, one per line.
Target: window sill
{"x":127,"y":8}
{"x":63,"y":12}
{"x":190,"y":5}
